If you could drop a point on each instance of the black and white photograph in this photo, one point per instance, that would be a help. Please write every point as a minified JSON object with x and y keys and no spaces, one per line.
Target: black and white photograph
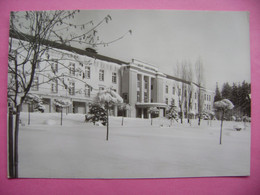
{"x":128,"y":94}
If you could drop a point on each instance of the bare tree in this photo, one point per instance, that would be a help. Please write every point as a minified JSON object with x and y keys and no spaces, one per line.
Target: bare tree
{"x":200,"y":83}
{"x":184,"y":72}
{"x":33,"y":36}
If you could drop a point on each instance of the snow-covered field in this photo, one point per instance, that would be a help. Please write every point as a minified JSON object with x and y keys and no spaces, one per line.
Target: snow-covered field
{"x":135,"y":150}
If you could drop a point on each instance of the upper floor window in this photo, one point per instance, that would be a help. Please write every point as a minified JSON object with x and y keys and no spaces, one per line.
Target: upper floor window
{"x":35,"y":83}
{"x":138,"y":82}
{"x":54,"y":67}
{"x":179,"y":92}
{"x":114,"y":77}
{"x":87,"y":72}
{"x":166,"y":101}
{"x":145,"y":84}
{"x":209,"y":98}
{"x":195,"y":95}
{"x":173,"y":102}
{"x":166,"y":89}
{"x":54,"y":85}
{"x":173,"y":90}
{"x":72,"y":69}
{"x":87,"y":90}
{"x":138,"y":96}
{"x":101,"y":75}
{"x":71,"y":88}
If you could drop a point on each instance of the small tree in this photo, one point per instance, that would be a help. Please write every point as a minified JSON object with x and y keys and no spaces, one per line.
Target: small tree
{"x":60,"y":104}
{"x":99,"y":114}
{"x":172,"y":112}
{"x":124,"y":107}
{"x":152,"y":111}
{"x":108,"y":98}
{"x":223,"y":106}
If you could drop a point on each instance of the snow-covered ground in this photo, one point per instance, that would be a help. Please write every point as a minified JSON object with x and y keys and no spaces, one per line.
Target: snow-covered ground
{"x":135,"y":150}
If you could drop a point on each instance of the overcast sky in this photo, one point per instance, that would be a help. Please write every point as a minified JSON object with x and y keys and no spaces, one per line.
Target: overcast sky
{"x":163,"y":38}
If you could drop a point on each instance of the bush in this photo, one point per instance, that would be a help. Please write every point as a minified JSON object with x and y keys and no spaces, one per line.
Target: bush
{"x":98,"y":114}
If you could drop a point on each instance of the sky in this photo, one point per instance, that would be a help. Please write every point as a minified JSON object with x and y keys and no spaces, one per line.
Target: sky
{"x":164,"y":37}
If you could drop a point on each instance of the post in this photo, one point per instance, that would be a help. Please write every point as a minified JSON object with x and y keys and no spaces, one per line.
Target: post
{"x":10,"y":143}
{"x":222,"y":118}
{"x":107,"y":121}
{"x":61,"y":117}
{"x":29,"y":118}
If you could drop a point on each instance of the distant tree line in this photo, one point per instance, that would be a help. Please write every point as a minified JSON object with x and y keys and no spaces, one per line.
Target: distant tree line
{"x":239,"y":94}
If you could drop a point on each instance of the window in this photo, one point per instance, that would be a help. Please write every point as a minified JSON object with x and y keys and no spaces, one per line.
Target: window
{"x":166,"y":89}
{"x":35,"y":83}
{"x":72,"y":69}
{"x":54,"y":67}
{"x":173,"y":90}
{"x":54,"y":85}
{"x":195,"y":95}
{"x":125,"y":97}
{"x":87,"y":72}
{"x":87,"y":90}
{"x":145,"y":97}
{"x":166,"y":100}
{"x":204,"y":96}
{"x":173,"y":102}
{"x":209,"y":98}
{"x":114,"y":77}
{"x":179,"y":92}
{"x":138,"y":82}
{"x":101,"y":75}
{"x":138,"y":96}
{"x":195,"y":106}
{"x":71,"y":88}
{"x":145,"y":84}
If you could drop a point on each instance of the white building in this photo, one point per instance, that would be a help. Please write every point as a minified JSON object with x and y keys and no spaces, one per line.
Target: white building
{"x":77,"y":75}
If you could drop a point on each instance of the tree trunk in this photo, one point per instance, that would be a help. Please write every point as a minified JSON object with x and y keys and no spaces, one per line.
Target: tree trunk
{"x":122,"y":123}
{"x":29,"y":117}
{"x":16,"y":135}
{"x":199,"y":120}
{"x":151,"y":120}
{"x":61,"y":117}
{"x":10,"y":143}
{"x":222,"y":118}
{"x":107,"y":124}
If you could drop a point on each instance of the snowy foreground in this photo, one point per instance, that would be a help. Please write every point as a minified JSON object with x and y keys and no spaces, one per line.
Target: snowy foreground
{"x":135,"y":150}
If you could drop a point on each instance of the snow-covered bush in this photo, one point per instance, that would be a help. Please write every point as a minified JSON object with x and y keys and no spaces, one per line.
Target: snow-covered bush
{"x":62,"y":103}
{"x":172,"y":113}
{"x":35,"y":101}
{"x":97,"y":113}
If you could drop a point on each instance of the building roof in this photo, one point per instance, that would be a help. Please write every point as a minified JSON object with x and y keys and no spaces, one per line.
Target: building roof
{"x":177,"y":79}
{"x":56,"y":45}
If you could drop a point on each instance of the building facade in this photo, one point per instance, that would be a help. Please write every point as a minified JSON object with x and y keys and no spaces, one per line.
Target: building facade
{"x":78,"y":75}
